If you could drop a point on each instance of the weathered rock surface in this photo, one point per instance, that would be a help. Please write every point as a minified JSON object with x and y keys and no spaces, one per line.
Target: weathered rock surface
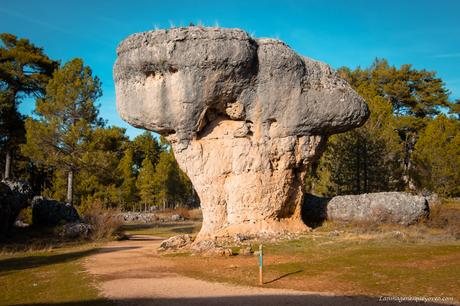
{"x":176,"y":242}
{"x":76,"y":230}
{"x":138,"y":217}
{"x":48,"y":212}
{"x":14,"y":196}
{"x":245,"y":118}
{"x":383,"y":207}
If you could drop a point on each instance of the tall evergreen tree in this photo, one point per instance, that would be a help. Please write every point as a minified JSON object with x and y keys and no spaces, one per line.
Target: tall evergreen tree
{"x":437,"y":157}
{"x":24,"y":71}
{"x":378,"y":155}
{"x":145,"y":183}
{"x":128,"y":186}
{"x":67,"y":116}
{"x":104,"y":150}
{"x":146,"y":146}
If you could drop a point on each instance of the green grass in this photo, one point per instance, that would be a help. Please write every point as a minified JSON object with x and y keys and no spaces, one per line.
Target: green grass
{"x":48,"y":277}
{"x":377,"y":265}
{"x":165,"y":230}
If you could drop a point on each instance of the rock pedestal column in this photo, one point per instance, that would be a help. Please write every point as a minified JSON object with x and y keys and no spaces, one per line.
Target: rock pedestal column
{"x":245,"y":117}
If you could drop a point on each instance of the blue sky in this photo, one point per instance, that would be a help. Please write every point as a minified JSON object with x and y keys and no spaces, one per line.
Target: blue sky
{"x":340,"y":33}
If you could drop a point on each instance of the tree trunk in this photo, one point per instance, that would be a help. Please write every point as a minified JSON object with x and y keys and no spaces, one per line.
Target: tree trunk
{"x":365,"y":179}
{"x":358,"y":166}
{"x":8,"y":164}
{"x":70,"y":187}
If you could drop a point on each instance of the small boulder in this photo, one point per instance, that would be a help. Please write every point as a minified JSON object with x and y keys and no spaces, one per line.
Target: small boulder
{"x":203,"y":245}
{"x":76,"y":230}
{"x":176,"y":242}
{"x":48,"y":212}
{"x":246,"y":251}
{"x":176,"y":218}
{"x":20,"y":223}
{"x":219,"y":251}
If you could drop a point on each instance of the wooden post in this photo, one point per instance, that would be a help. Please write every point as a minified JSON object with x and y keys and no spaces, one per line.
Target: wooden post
{"x":261,"y":263}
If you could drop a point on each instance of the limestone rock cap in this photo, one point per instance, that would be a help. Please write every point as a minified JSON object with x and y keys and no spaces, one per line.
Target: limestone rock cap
{"x":176,"y":82}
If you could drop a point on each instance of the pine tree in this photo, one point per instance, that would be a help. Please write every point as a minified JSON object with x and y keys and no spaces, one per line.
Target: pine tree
{"x":24,"y":71}
{"x":437,"y":157}
{"x":128,"y":186}
{"x":145,"y":183}
{"x":455,"y":109}
{"x":161,"y":179}
{"x":67,"y":117}
{"x":104,"y":151}
{"x":145,"y":145}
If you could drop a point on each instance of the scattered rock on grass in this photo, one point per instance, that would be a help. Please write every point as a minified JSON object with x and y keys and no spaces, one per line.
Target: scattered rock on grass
{"x":246,"y":251}
{"x":176,"y":242}
{"x":138,"y":217}
{"x":76,"y":230}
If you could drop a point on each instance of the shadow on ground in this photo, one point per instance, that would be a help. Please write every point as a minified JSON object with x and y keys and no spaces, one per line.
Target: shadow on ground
{"x":28,"y":262}
{"x":283,"y":276}
{"x":252,"y":300}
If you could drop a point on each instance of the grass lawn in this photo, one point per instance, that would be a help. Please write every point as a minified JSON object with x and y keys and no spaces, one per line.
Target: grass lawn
{"x":165,"y":230}
{"x":48,"y":277}
{"x":374,"y":263}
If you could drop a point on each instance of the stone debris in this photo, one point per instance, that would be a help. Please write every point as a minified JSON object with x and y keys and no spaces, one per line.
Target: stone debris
{"x":176,"y":242}
{"x":75,"y":230}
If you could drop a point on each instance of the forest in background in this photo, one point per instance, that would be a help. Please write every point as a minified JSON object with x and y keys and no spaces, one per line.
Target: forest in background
{"x":66,"y":151}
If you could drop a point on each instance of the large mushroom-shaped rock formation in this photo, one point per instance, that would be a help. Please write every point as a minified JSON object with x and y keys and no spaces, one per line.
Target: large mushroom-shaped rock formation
{"x":245,"y":118}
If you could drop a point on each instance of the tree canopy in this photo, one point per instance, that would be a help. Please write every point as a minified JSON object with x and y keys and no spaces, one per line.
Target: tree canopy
{"x":67,"y":117}
{"x":404,"y":104}
{"x":24,"y":71}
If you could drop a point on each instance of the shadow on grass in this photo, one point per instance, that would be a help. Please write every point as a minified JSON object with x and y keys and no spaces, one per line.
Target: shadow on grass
{"x":283,"y":276}
{"x":144,"y":238}
{"x":35,"y":261}
{"x":250,"y":300}
{"x":133,"y":227}
{"x":184,"y":230}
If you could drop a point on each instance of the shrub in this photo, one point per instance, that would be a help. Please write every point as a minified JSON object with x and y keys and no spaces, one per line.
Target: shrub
{"x":446,"y":216}
{"x":26,"y":215}
{"x":183,"y":212}
{"x":105,"y":222}
{"x":196,"y":214}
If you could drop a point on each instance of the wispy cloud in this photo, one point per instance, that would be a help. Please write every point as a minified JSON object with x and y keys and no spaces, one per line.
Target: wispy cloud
{"x":447,"y":55}
{"x":32,"y":20}
{"x":53,"y":27}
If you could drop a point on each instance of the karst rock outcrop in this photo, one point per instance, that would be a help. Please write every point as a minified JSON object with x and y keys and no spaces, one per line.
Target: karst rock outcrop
{"x":382,"y":207}
{"x":245,"y":118}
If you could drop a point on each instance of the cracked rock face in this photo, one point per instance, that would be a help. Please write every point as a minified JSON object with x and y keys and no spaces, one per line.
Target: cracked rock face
{"x":245,"y":118}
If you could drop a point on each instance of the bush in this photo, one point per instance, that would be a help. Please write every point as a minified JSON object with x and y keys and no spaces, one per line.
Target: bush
{"x":105,"y":222}
{"x":196,"y":214}
{"x":446,"y":216}
{"x":26,"y":215}
{"x":183,"y":212}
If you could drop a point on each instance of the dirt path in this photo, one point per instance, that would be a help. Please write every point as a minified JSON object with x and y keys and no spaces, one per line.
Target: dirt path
{"x":131,"y":273}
